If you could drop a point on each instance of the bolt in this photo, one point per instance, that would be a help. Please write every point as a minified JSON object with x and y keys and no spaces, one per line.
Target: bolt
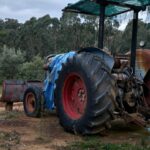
{"x":83,"y":91}
{"x":79,"y":94}
{"x":82,"y":99}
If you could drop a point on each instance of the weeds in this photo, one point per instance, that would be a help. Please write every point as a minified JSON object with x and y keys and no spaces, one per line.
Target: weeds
{"x":100,"y":146}
{"x":93,"y":143}
{"x":9,"y":115}
{"x":9,"y":139}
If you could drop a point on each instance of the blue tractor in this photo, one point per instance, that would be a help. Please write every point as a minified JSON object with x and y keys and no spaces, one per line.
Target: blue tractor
{"x":89,"y":88}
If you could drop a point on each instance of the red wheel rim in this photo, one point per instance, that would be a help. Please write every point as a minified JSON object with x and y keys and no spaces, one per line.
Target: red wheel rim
{"x":74,"y":96}
{"x":30,"y":102}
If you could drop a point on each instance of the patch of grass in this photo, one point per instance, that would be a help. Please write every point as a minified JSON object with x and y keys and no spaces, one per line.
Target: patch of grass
{"x":101,"y":146}
{"x":42,"y":140}
{"x":96,"y":144}
{"x":9,"y":140}
{"x":9,"y":115}
{"x":12,"y":115}
{"x":10,"y":136}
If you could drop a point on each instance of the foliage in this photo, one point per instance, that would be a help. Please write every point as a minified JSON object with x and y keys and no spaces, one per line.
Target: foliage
{"x":96,"y":144}
{"x":13,"y":66}
{"x":143,"y":35}
{"x":10,"y":63}
{"x":47,"y":35}
{"x":32,"y":70}
{"x":20,"y":43}
{"x":50,"y":35}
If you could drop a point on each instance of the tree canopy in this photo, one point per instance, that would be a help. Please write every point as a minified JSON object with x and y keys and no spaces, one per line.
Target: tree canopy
{"x":23,"y":45}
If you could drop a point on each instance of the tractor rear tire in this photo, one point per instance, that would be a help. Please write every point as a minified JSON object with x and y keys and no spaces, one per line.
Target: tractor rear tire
{"x":32,"y":102}
{"x":84,"y":94}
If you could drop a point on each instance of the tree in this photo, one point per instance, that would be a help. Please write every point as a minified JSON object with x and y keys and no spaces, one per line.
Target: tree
{"x":142,"y":35}
{"x":10,"y":63}
{"x":32,"y":70}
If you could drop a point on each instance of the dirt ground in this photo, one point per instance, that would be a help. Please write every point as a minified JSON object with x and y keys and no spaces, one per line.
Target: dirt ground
{"x":19,"y":132}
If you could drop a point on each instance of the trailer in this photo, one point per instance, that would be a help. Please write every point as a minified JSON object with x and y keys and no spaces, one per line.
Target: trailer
{"x":13,"y":91}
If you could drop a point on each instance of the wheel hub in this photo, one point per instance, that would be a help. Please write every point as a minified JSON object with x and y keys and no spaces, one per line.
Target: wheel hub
{"x":81,"y":95}
{"x":30,"y":102}
{"x":74,"y":96}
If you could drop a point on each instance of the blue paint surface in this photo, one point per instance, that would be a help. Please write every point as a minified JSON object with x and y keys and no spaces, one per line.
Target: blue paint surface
{"x":49,"y":83}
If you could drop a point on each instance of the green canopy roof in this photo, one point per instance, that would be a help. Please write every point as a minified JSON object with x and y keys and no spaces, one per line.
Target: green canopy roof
{"x":114,"y":7}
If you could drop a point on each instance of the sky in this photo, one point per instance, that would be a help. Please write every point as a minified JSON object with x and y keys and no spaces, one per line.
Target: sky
{"x":25,"y":9}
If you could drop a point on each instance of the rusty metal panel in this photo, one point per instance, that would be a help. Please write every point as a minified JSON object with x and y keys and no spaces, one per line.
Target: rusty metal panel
{"x":142,"y":62}
{"x":37,"y":83}
{"x":13,"y":90}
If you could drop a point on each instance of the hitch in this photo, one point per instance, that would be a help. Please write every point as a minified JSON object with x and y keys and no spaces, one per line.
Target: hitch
{"x":135,"y":118}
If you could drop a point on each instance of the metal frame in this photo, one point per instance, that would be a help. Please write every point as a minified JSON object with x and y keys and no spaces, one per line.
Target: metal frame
{"x":101,"y":26}
{"x":122,"y":4}
{"x":102,"y":15}
{"x":136,"y":10}
{"x":134,"y":40}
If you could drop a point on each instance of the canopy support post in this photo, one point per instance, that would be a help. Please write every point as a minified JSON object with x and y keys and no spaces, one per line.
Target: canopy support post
{"x":101,"y":26}
{"x":134,"y":40}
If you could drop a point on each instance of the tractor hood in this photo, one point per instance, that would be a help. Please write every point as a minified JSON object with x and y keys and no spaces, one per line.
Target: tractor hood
{"x":142,"y":62}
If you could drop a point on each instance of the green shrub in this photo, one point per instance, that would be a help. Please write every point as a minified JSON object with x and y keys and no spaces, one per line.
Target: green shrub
{"x":10,"y":63}
{"x":32,"y":70}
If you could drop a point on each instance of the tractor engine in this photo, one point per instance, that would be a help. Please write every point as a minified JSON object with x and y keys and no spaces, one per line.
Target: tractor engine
{"x":130,"y":90}
{"x":131,"y":103}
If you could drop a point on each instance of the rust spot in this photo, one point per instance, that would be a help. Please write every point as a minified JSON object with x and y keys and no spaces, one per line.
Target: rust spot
{"x":143,"y":59}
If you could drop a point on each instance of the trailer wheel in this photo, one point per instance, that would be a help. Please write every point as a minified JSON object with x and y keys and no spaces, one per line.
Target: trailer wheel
{"x":84,"y":94}
{"x":32,"y":102}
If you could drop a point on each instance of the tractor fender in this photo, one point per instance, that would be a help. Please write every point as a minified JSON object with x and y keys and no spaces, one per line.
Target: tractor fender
{"x":107,"y":58}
